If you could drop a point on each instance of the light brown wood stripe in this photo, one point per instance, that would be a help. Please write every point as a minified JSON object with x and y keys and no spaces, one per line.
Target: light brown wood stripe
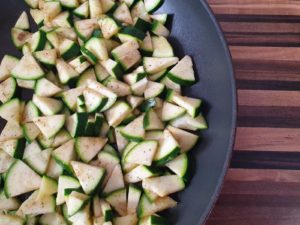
{"x":269,"y":98}
{"x":266,"y":75}
{"x":267,"y":139}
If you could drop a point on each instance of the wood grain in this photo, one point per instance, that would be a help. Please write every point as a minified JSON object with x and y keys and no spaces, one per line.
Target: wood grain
{"x":262,"y":186}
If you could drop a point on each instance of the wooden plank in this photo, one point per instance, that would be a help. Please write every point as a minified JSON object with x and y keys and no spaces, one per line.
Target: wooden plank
{"x":269,"y":98}
{"x":266,"y":75}
{"x":267,"y":139}
{"x":260,"y":197}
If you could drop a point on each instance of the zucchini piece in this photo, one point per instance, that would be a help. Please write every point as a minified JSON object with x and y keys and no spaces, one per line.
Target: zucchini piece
{"x":139,"y":11}
{"x":139,"y":173}
{"x":48,"y":187}
{"x":153,"y":5}
{"x":61,"y":138}
{"x":183,"y":72}
{"x":11,"y":110}
{"x":162,"y":48}
{"x":152,"y":121}
{"x":82,"y":217}
{"x":113,"y":68}
{"x":162,"y":18}
{"x":88,"y":55}
{"x":90,"y":177}
{"x":168,"y":149}
{"x":139,"y":87}
{"x":89,"y":74}
{"x":69,"y":97}
{"x":88,"y":147}
{"x":134,"y":131}
{"x":152,"y":220}
{"x":153,"y":135}
{"x":31,"y":149}
{"x":122,"y":14}
{"x":46,"y":57}
{"x":180,"y":166}
{"x":51,"y":89}
{"x":11,"y":219}
{"x":146,"y":46}
{"x":189,"y":123}
{"x":52,"y":218}
{"x":171,"y":85}
{"x":129,"y":3}
{"x":39,"y":161}
{"x":117,"y":113}
{"x":15,"y":175}
{"x":67,"y":32}
{"x":159,"y":29}
{"x":37,"y":41}
{"x":14,"y":147}
{"x":69,"y":4}
{"x":94,"y":101}
{"x":142,"y":153}
{"x":75,"y":202}
{"x":164,"y":185}
{"x":96,"y":207}
{"x":80,"y":64}
{"x":27,"y":84}
{"x":95,"y":8}
{"x":8,"y":204}
{"x":23,"y":22}
{"x":65,"y":71}
{"x":134,"y":101}
{"x":127,"y":54}
{"x":7,"y":64}
{"x":108,"y":5}
{"x":63,"y":19}
{"x":118,"y":200}
{"x":38,"y":16}
{"x":115,"y":181}
{"x":30,"y":131}
{"x":108,"y":161}
{"x":158,"y":76}
{"x":134,"y":195}
{"x":142,"y":25}
{"x":5,"y":162}
{"x":50,"y":9}
{"x":131,"y":34}
{"x":11,"y":130}
{"x":147,"y":208}
{"x":120,"y":140}
{"x":171,"y":111}
{"x":27,"y":69}
{"x":97,"y":47}
{"x":85,"y":28}
{"x":65,"y":182}
{"x":101,"y":72}
{"x":32,"y":3}
{"x":106,"y":211}
{"x":50,"y":125}
{"x":192,"y":105}
{"x":30,"y":112}
{"x":154,"y":65}
{"x":82,"y":11}
{"x":19,"y":37}
{"x":44,"y":141}
{"x":118,"y":87}
{"x":69,"y":49}
{"x":76,"y":124}
{"x":150,"y":195}
{"x":134,"y":77}
{"x":126,"y":220}
{"x":148,"y":104}
{"x":64,"y":154}
{"x":109,"y":26}
{"x":48,"y":106}
{"x":153,"y":89}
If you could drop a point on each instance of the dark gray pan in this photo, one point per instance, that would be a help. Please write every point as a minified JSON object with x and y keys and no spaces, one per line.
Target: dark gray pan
{"x":194,"y":32}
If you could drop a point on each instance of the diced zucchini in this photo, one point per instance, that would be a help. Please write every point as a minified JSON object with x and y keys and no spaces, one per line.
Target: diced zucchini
{"x":38,"y":16}
{"x":153,"y":5}
{"x":80,"y":64}
{"x":37,"y":41}
{"x":120,"y":140}
{"x":82,"y":217}
{"x":95,"y":8}
{"x":168,"y":149}
{"x":153,"y":89}
{"x":11,"y":130}
{"x":46,"y":57}
{"x":31,"y":149}
{"x":142,"y":25}
{"x":61,"y":137}
{"x":50,"y":125}
{"x":107,"y":161}
{"x":139,"y":87}
{"x":14,"y":147}
{"x":69,"y":4}
{"x":82,"y":11}
{"x":90,"y":177}
{"x":64,"y":154}
{"x":189,"y":123}
{"x":130,"y":219}
{"x":101,"y":72}
{"x":76,"y":124}
{"x":162,"y":48}
{"x":118,"y":87}
{"x":27,"y":69}
{"x":68,"y":49}
{"x":152,"y":121}
{"x":88,"y":147}
{"x":5,"y":162}
{"x":94,"y":101}
{"x":113,"y":68}
{"x":39,"y":161}
{"x":159,"y":29}
{"x":134,"y":101}
{"x":85,"y":28}
{"x":115,"y":180}
{"x":134,"y":131}
{"x":51,"y":9}
{"x":7,"y":64}
{"x":153,"y":135}
{"x":51,"y":89}
{"x":15,"y":184}
{"x":44,"y":141}
{"x":65,"y":182}
{"x":131,"y":34}
{"x":171,"y":111}
{"x":118,"y":200}
{"x":96,"y":47}
{"x":65,"y":71}
{"x":109,"y":26}
{"x":23,"y":22}
{"x":69,"y":97}
{"x":11,"y":110}
{"x":154,"y":65}
{"x":106,"y":211}
{"x":147,"y":46}
{"x":152,"y":220}
{"x":122,"y":14}
{"x":75,"y":202}
{"x":32,"y":3}
{"x":52,"y":218}
{"x":30,"y":131}
{"x":48,"y":187}
{"x":171,"y":85}
{"x":8,"y":203}
{"x":27,"y":84}
{"x":162,"y":18}
{"x":117,"y":113}
{"x":139,"y":11}
{"x":138,"y":174}
{"x":108,"y":6}
{"x":19,"y":37}
{"x":134,"y":195}
{"x":142,"y":153}
{"x":63,"y":19}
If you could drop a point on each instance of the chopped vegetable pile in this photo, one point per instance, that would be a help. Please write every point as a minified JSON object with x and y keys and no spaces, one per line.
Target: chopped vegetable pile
{"x":105,"y":136}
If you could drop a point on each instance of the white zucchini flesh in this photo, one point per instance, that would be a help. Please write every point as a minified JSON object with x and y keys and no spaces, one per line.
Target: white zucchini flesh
{"x":108,"y":162}
{"x":134,"y":131}
{"x":34,"y":206}
{"x":15,"y":184}
{"x":171,"y":111}
{"x":50,"y":125}
{"x":7,"y":89}
{"x":120,"y":140}
{"x":164,"y":185}
{"x":89,"y":176}
{"x":11,"y":110}
{"x":153,"y":89}
{"x":152,"y":121}
{"x":7,"y":64}
{"x":122,"y":14}
{"x":39,"y":161}
{"x":54,"y":218}
{"x":11,"y":219}
{"x":82,"y":217}
{"x":120,"y":88}
{"x":54,"y":170}
{"x":142,"y":153}
{"x":65,"y":182}
{"x":65,"y":71}
{"x":48,"y":187}
{"x":115,"y":180}
{"x":65,"y":153}
{"x":117,"y":113}
{"x":154,"y":65}
{"x":88,"y":147}
{"x":8,"y":203}
{"x":162,"y":47}
{"x":138,"y":174}
{"x":5,"y":161}
{"x":130,"y":219}
{"x":118,"y":200}
{"x":12,"y":130}
{"x":133,"y":199}
{"x":27,"y":69}
{"x":134,"y":101}
{"x":51,"y":89}
{"x":93,"y":100}
{"x":70,"y":97}
{"x":32,"y":149}
{"x":95,"y":8}
{"x":189,"y":123}
{"x":48,"y":106}
{"x":75,"y":202}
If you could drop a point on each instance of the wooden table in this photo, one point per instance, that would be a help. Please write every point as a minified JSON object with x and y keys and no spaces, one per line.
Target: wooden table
{"x":263,"y":184}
